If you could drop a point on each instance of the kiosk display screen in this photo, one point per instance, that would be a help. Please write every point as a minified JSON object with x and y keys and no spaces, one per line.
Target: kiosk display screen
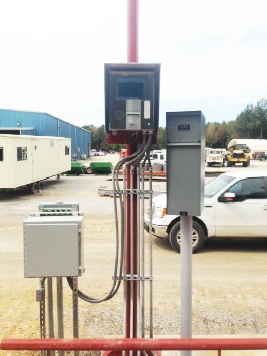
{"x":130,"y":88}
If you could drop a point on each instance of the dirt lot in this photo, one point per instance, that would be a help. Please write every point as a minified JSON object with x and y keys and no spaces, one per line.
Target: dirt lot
{"x":229,"y":278}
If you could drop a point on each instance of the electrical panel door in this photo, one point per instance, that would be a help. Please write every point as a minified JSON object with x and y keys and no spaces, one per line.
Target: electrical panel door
{"x":185,"y":162}
{"x":53,"y":246}
{"x":131,"y":97}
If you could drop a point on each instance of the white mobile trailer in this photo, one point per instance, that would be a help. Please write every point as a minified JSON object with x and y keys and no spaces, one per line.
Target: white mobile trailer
{"x":25,"y":161}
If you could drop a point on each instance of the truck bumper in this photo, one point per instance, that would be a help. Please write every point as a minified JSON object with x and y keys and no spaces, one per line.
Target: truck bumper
{"x":158,"y":231}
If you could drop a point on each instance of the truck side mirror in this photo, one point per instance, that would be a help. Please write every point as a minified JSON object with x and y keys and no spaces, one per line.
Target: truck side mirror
{"x":226,"y":197}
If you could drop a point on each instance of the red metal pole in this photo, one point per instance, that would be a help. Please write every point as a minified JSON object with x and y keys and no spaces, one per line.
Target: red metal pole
{"x":132,"y":31}
{"x":131,"y":287}
{"x":131,"y":253}
{"x":135,"y":344}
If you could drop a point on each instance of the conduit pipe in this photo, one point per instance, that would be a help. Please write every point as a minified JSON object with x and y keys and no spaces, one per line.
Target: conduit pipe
{"x":104,"y":344}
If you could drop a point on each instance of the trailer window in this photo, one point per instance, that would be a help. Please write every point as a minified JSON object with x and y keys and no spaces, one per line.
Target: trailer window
{"x":1,"y":154}
{"x":67,"y":150}
{"x":22,"y":154}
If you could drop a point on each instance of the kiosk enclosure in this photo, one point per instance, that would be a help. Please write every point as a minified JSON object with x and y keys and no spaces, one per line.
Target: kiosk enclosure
{"x":185,"y":162}
{"x":131,"y":100}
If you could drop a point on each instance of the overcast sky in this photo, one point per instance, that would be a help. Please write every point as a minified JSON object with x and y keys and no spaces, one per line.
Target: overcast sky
{"x":213,"y":54}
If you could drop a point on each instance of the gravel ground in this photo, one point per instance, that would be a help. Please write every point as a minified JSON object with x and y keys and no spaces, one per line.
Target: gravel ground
{"x":229,"y":278}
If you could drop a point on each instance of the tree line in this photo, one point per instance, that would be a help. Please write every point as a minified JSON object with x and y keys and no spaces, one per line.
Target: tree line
{"x":250,"y":123}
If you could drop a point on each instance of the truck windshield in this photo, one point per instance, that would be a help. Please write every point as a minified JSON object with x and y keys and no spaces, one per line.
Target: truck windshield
{"x":240,"y":147}
{"x":216,"y":185}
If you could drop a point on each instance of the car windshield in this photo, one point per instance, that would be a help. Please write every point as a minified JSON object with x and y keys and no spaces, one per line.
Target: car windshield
{"x":216,"y":185}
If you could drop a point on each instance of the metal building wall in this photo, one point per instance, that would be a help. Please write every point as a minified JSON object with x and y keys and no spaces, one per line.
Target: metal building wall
{"x":42,"y":124}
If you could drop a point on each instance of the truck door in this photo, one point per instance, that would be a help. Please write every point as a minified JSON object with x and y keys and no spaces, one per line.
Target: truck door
{"x":246,"y":214}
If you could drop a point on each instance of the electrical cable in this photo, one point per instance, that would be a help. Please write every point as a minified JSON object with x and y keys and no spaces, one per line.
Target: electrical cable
{"x":141,"y":153}
{"x":135,"y":158}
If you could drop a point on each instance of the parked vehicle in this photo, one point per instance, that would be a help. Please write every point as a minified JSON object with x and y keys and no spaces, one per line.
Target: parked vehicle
{"x":256,"y":146}
{"x":159,"y":156}
{"x":235,"y":206}
{"x":263,"y":157}
{"x":215,"y":157}
{"x":94,"y":153}
{"x":238,"y":153}
{"x":25,"y":161}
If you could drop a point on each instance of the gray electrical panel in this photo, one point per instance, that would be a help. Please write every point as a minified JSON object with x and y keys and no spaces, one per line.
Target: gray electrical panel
{"x":185,"y":162}
{"x":131,"y":96}
{"x":53,"y":244}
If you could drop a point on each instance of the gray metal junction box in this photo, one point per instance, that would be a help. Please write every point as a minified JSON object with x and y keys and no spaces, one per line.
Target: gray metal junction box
{"x":53,"y":246}
{"x":185,"y":162}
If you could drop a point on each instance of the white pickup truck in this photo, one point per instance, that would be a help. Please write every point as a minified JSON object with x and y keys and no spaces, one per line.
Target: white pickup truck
{"x":235,"y":206}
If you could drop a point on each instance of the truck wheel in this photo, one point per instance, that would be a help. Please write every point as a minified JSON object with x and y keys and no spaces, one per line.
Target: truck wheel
{"x":198,"y":237}
{"x":34,"y":188}
{"x":229,"y":164}
{"x":246,"y":164}
{"x":39,"y":185}
{"x":88,"y":170}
